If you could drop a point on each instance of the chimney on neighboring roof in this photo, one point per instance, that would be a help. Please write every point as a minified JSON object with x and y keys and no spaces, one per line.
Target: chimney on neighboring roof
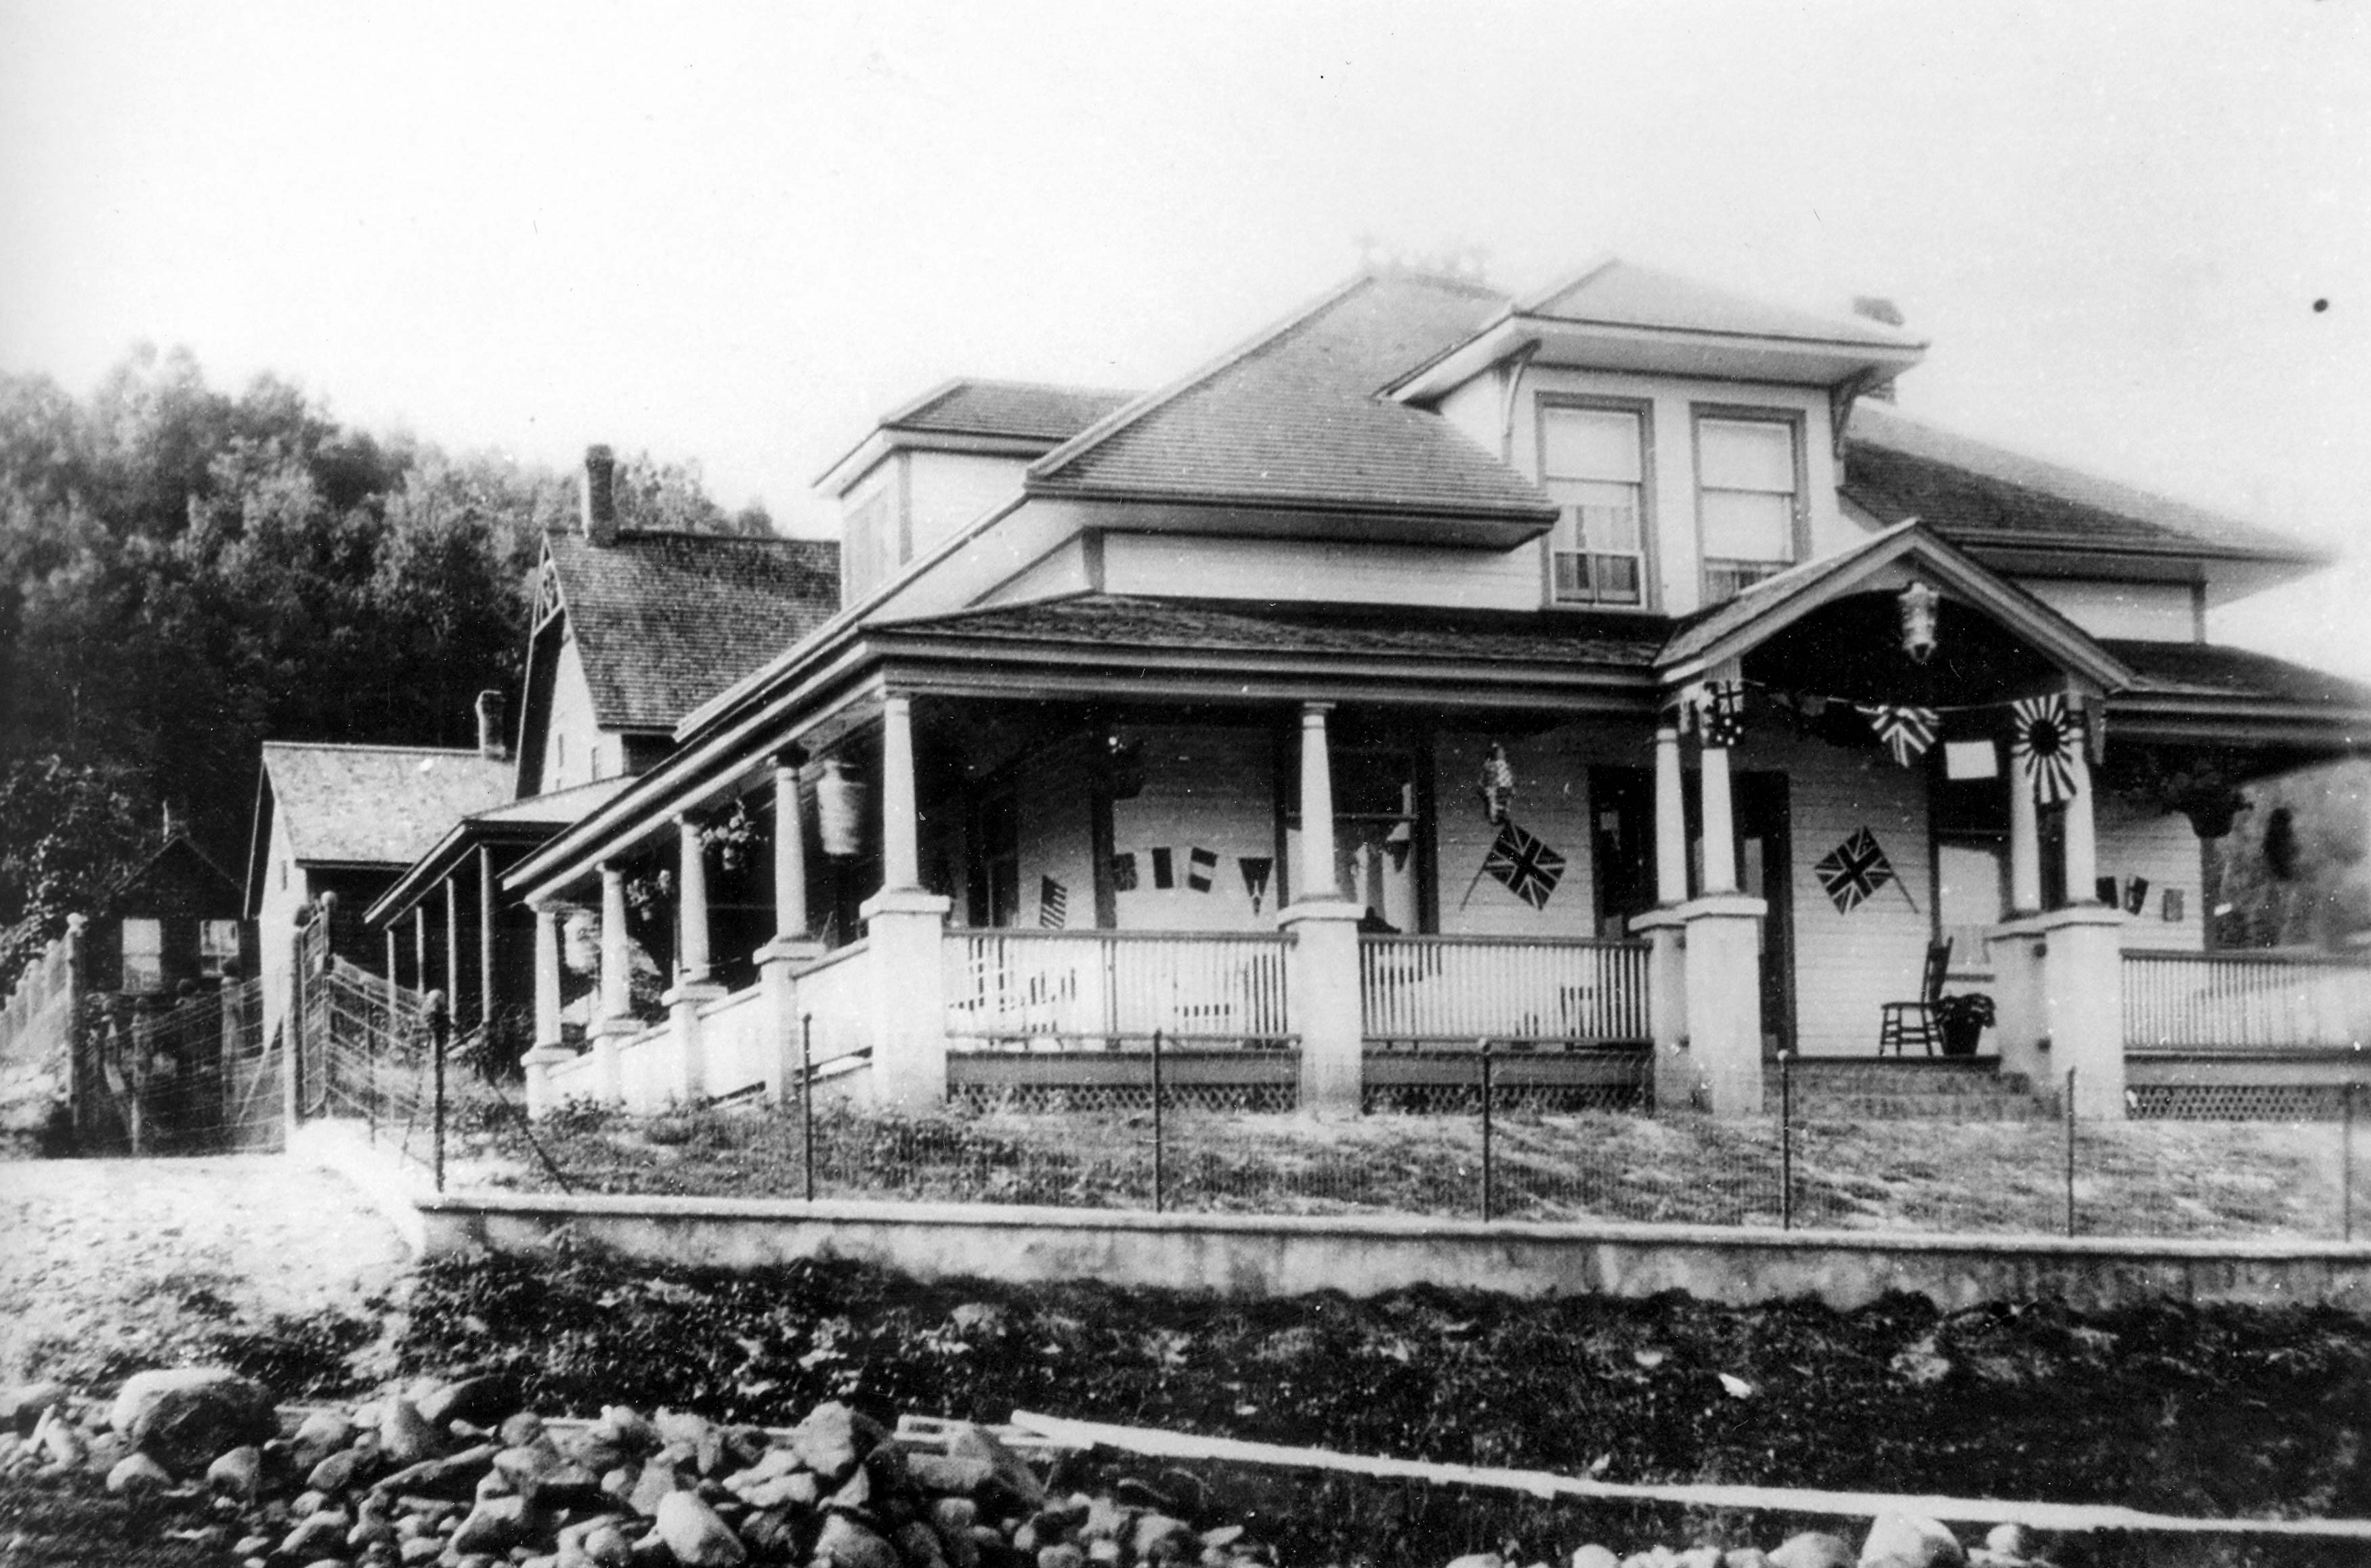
{"x":598,"y":517}
{"x":491,"y":743}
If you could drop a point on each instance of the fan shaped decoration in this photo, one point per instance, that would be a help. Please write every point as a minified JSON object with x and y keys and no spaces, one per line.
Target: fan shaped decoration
{"x":2043,"y":740}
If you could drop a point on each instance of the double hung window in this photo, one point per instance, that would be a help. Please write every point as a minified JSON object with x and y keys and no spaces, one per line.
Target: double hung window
{"x":144,"y":955}
{"x":1748,"y":500}
{"x":1592,"y":462}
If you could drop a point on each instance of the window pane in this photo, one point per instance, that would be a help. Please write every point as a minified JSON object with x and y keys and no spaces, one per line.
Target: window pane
{"x":1591,"y":444}
{"x":1613,"y":526}
{"x":1618,"y":578}
{"x":217,"y":944}
{"x":1745,"y":526}
{"x":144,"y":955}
{"x":1756,"y":454}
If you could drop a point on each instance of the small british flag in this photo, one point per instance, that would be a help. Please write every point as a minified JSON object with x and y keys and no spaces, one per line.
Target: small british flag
{"x":1723,"y":712}
{"x":1853,"y":871}
{"x":1906,"y":731}
{"x":1529,"y":868}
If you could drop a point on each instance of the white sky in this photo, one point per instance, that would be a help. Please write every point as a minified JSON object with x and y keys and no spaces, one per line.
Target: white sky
{"x":738,"y":233}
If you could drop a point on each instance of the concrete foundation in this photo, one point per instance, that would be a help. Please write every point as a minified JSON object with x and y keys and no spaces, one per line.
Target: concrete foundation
{"x":1322,"y":990}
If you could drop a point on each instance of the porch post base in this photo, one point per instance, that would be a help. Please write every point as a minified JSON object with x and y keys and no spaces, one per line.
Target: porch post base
{"x":1723,"y":968}
{"x":779,"y":963}
{"x":906,"y":936}
{"x":608,"y":1037}
{"x":1321,"y":990}
{"x":683,"y":1004}
{"x":537,"y":1062}
{"x":1667,"y":1005}
{"x":2071,"y":987}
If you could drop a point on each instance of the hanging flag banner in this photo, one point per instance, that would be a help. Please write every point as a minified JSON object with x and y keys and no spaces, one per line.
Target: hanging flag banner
{"x":1906,"y":731}
{"x":1723,"y":713}
{"x":1123,"y":872}
{"x":1255,"y":870}
{"x":1199,"y":864}
{"x":1529,"y":868}
{"x":1053,"y":904}
{"x":1163,"y":875}
{"x":1853,"y":871}
{"x":2042,"y":740}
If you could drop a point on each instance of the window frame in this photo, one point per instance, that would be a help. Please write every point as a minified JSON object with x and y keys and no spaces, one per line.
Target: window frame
{"x":156,"y":955}
{"x":1798,"y":426}
{"x":212,"y":959}
{"x":1650,"y":599}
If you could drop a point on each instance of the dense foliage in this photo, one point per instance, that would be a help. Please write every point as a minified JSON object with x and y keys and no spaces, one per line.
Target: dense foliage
{"x":184,"y":572}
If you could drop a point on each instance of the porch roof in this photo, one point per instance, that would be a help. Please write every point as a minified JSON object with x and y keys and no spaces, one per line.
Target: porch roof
{"x":2224,"y":699}
{"x":528,"y":822}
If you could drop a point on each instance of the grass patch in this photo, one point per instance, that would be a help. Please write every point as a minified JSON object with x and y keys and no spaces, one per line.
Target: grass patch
{"x":2162,"y":1179}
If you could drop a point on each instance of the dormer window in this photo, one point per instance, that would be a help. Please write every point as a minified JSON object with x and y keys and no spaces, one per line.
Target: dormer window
{"x":1749,"y":498}
{"x":1594,"y":464}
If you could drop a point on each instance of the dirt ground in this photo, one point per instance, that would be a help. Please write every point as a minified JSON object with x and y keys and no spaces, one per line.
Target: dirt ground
{"x":107,"y":1264}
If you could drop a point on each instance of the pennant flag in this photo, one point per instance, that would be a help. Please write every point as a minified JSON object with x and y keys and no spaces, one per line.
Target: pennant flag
{"x":1123,"y":872}
{"x":1164,"y":874}
{"x":1724,"y":713}
{"x":1199,"y":864}
{"x":2043,"y":742}
{"x":1529,"y":868}
{"x":1255,"y":870}
{"x":2137,"y":895}
{"x":1053,"y":904}
{"x":1853,"y":871}
{"x":1497,"y":784}
{"x":1906,"y":731}
{"x":2104,"y":889}
{"x":1397,"y":844}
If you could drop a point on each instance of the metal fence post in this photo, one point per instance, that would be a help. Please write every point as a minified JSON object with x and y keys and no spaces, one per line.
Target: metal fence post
{"x":1160,"y":1175}
{"x":1487,"y":1194}
{"x":806,"y":1099}
{"x":1786,"y":1140}
{"x":2070,"y":1151}
{"x":440,"y":1028}
{"x":2346,"y":1161}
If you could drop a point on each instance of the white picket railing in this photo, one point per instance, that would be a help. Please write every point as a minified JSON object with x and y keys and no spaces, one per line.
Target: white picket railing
{"x":1461,"y":989}
{"x":835,"y":1000}
{"x":2245,"y":1001}
{"x":1062,"y":989}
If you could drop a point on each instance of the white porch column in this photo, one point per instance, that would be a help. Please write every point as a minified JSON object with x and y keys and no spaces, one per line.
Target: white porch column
{"x":1719,"y":1059}
{"x":780,"y":960}
{"x":1321,"y":967}
{"x":617,"y":952}
{"x":2082,"y":836}
{"x":692,"y":989}
{"x":2024,"y":847}
{"x":1671,"y":819}
{"x":1719,"y":823}
{"x":906,"y":937}
{"x":548,"y":1048}
{"x":1667,"y":974}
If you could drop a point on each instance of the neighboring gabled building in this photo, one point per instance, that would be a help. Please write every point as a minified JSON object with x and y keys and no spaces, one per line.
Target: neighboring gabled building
{"x":1609,"y":667}
{"x":173,"y":923}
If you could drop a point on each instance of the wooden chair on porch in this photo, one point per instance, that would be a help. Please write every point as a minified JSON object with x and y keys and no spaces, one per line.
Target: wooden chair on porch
{"x":1907,"y":1023}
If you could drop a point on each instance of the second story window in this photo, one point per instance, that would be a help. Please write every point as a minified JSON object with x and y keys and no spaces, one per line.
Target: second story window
{"x":1592,"y":462}
{"x":1749,"y":501}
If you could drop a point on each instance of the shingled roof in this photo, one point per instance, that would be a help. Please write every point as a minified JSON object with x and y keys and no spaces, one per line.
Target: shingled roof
{"x":1024,"y":410}
{"x":1616,"y":292}
{"x":1975,"y":494}
{"x":2202,"y":669}
{"x":1292,"y":418}
{"x":664,"y":621}
{"x":374,"y":806}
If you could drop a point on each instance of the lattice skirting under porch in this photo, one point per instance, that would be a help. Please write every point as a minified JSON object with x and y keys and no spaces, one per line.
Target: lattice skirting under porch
{"x":1536,"y":1099}
{"x":1039,"y":1099}
{"x":2242,"y":1103}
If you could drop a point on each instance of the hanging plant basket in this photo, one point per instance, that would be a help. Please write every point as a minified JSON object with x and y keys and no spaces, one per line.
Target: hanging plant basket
{"x":839,"y":810}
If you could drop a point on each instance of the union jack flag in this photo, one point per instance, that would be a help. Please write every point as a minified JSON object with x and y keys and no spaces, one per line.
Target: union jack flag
{"x":1529,"y":868}
{"x":1854,"y":871}
{"x":1906,"y":731}
{"x":2043,"y":743}
{"x":1723,"y":714}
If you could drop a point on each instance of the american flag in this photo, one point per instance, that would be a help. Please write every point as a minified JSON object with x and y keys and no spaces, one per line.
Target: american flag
{"x":1053,"y":904}
{"x":1854,"y":871}
{"x":1529,"y":868}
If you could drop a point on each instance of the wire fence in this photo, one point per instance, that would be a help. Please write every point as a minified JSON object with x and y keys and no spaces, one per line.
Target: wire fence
{"x":1817,"y":1158}
{"x":193,"y":1078}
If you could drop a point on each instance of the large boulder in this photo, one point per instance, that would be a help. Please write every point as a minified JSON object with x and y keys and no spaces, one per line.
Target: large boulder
{"x":1813,"y":1549}
{"x":186,"y":1418}
{"x":1899,"y":1540}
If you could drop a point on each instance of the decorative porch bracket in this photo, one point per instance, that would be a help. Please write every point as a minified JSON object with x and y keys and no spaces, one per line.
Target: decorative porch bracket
{"x":2059,"y":981}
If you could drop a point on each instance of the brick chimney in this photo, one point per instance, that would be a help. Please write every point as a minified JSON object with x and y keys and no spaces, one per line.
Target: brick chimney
{"x":491,"y":744}
{"x":598,"y":517}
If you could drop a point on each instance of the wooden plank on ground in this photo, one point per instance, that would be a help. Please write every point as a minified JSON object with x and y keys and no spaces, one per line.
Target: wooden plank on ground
{"x":2055,"y":1517}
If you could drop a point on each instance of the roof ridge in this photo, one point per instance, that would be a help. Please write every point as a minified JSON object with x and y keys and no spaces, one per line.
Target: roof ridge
{"x":1121,"y":419}
{"x":370,"y":746}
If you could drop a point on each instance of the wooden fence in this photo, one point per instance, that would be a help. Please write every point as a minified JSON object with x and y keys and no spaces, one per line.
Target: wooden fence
{"x":1059,"y":990}
{"x":2228,"y":1001}
{"x":1419,"y":990}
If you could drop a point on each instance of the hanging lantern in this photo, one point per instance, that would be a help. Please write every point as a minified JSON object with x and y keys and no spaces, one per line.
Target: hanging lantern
{"x":1496,"y":786}
{"x":1918,"y":605}
{"x":839,"y":810}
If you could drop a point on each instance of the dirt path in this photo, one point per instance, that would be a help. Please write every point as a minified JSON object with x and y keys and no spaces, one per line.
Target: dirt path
{"x":108,"y":1261}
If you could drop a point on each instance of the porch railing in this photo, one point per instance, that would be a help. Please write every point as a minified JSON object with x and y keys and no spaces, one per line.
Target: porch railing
{"x":647,"y":1068}
{"x":736,"y":1041}
{"x":2245,"y":1002}
{"x":1065,"y":989}
{"x":835,"y":997}
{"x":1440,"y":991}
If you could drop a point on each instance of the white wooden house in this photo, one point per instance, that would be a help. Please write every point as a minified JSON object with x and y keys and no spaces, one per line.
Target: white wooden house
{"x":1370,"y":691}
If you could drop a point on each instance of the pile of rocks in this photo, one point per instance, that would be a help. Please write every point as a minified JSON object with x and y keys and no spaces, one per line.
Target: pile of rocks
{"x":458,"y":1474}
{"x":1893,"y":1541}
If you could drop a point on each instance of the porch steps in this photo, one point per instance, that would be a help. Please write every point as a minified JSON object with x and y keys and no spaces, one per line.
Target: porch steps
{"x":1912,"y":1089}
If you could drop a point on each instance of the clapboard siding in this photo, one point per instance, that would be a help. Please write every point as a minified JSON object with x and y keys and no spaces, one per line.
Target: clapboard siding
{"x":1208,"y":787}
{"x":1305,"y":571}
{"x":2137,"y":842}
{"x":1848,"y":965}
{"x":1551,"y":803}
{"x":1050,"y":792}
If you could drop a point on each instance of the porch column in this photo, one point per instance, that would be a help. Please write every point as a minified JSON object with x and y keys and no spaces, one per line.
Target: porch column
{"x":1719,"y":823}
{"x":2016,"y":946}
{"x":906,"y":933}
{"x":780,"y":960}
{"x":1322,"y":966}
{"x":1671,"y":819}
{"x":1720,"y":1058}
{"x":1666,"y":930}
{"x":2024,"y":847}
{"x":486,"y":934}
{"x":548,"y":1048}
{"x":692,"y":989}
{"x":2082,"y":836}
{"x":453,"y":945}
{"x":394,"y":956}
{"x":2060,"y":979}
{"x":420,"y":971}
{"x":613,"y":990}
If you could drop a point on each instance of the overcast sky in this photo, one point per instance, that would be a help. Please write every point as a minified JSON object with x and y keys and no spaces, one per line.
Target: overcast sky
{"x":2139,"y":234}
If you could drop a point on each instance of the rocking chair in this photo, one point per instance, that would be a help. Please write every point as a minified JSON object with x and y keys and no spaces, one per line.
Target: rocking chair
{"x":1907,"y":1023}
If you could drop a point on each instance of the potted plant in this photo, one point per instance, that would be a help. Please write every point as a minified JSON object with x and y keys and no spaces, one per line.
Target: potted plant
{"x":1962,"y":1020}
